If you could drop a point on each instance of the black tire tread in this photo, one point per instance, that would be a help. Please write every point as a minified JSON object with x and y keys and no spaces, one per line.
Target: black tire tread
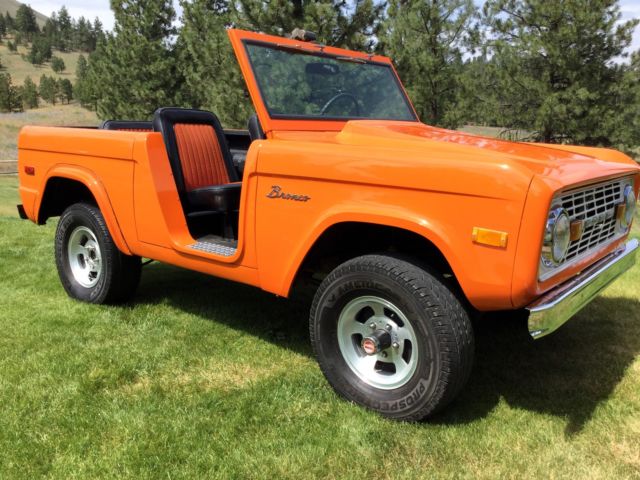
{"x":125,"y":271}
{"x":447,"y":314}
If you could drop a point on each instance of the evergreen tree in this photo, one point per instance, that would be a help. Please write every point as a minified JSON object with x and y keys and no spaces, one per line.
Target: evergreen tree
{"x":83,"y":36}
{"x":134,"y":70}
{"x":25,"y":22}
{"x":10,"y":99}
{"x":3,"y":26}
{"x":336,"y":22}
{"x":65,"y":90}
{"x":48,"y":89}
{"x":97,"y":34}
{"x":426,"y":39}
{"x":40,"y":51}
{"x":65,"y":29}
{"x":556,"y":67}
{"x":29,"y":94}
{"x":212,"y":78}
{"x":57,"y":64}
{"x":12,"y":46}
{"x":83,"y":89}
{"x":625,"y":124}
{"x":50,"y":29}
{"x":9,"y":22}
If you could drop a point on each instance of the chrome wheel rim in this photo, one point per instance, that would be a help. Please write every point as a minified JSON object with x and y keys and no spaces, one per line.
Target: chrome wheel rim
{"x":85,"y":258}
{"x":391,"y":367}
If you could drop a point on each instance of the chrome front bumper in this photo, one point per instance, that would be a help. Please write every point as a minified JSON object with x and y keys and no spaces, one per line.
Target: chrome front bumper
{"x":554,"y":308}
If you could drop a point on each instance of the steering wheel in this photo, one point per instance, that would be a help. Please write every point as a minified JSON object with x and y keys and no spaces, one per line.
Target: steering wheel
{"x":338,"y":96}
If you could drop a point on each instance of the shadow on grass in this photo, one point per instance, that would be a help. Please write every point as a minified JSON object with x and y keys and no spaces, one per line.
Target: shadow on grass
{"x":567,"y":374}
{"x":261,"y":314}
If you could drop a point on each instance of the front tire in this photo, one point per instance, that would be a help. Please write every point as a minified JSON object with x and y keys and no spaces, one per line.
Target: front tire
{"x":391,"y":337}
{"x":90,"y":266}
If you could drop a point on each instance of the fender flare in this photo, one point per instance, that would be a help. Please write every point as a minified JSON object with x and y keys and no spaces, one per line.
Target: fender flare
{"x":420,"y":226}
{"x":90,"y":180}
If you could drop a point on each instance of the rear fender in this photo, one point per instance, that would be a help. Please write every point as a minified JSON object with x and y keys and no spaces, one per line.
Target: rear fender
{"x":90,"y":180}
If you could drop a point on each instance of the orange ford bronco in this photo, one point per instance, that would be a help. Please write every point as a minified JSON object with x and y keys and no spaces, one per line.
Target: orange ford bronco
{"x":407,"y":229}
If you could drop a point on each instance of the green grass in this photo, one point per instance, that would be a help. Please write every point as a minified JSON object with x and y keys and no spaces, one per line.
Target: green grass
{"x":203,"y":378}
{"x":59,"y":115}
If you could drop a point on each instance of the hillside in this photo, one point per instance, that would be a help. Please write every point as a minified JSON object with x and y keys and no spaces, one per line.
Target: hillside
{"x":11,"y":6}
{"x":19,"y":69}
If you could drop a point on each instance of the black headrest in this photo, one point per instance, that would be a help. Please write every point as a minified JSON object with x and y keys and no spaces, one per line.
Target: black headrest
{"x":166,"y":117}
{"x":255,"y":130}
{"x":126,"y":125}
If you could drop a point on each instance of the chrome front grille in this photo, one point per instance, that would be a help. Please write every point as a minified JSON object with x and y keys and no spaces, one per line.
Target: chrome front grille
{"x":596,"y":207}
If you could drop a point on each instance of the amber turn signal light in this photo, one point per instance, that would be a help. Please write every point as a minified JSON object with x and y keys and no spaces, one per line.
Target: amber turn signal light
{"x":493,"y":238}
{"x":576,"y":229}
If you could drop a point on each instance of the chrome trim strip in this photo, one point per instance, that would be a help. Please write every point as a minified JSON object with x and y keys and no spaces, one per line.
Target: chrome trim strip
{"x":554,"y":308}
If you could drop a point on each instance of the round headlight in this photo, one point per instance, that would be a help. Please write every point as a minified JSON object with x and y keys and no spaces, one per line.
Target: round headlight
{"x":557,"y":236}
{"x":630,"y":207}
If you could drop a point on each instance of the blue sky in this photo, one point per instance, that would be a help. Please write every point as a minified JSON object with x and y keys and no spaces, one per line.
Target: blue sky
{"x":100,"y":8}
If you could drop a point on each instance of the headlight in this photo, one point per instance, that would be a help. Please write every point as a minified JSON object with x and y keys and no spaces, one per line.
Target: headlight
{"x":629,"y":207}
{"x":557,"y":237}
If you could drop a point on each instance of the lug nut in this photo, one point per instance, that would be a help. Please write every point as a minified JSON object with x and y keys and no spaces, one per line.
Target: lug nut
{"x":395,"y":345}
{"x":388,"y":328}
{"x":372,"y":326}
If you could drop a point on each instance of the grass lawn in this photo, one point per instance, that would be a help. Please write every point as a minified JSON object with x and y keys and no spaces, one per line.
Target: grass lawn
{"x":205,"y":378}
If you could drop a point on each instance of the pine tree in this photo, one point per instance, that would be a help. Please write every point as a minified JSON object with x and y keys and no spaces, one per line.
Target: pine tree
{"x":57,"y":64}
{"x":10,"y":98}
{"x":97,"y":34}
{"x":212,"y":78}
{"x":29,"y":94}
{"x":427,"y":39}
{"x":25,"y":22}
{"x":65,"y":90}
{"x":83,"y":35}
{"x":48,"y":89}
{"x":40,"y":51}
{"x":3,"y":26}
{"x":555,"y":66}
{"x":83,"y":89}
{"x":336,"y":22}
{"x":50,"y":29}
{"x":134,"y":70}
{"x":5,"y":92}
{"x":9,"y":22}
{"x":65,"y":29}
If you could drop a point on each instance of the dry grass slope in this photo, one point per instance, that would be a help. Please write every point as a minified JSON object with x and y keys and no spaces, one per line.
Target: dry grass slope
{"x":19,"y":68}
{"x":12,"y":6}
{"x":59,"y":115}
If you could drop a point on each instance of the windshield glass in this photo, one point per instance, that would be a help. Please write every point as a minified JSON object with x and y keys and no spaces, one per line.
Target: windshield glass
{"x":296,"y":83}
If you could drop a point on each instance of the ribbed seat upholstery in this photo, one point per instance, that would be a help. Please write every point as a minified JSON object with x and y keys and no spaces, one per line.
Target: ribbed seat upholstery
{"x":200,"y":160}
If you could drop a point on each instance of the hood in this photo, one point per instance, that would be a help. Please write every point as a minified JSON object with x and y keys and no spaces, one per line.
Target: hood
{"x":559,"y":165}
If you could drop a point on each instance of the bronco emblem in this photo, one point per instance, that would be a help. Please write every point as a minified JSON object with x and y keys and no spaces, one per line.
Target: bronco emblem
{"x":276,"y":192}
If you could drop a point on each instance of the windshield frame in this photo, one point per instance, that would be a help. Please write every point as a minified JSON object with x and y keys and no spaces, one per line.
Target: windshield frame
{"x":299,"y":49}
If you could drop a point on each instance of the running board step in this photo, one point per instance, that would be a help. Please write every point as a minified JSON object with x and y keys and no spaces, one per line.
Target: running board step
{"x":223,"y":249}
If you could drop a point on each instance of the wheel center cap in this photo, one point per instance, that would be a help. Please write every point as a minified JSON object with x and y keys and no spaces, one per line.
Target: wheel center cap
{"x":376,"y":342}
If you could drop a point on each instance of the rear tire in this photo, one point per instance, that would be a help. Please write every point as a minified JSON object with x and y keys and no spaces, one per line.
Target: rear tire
{"x":90,"y":266}
{"x":423,"y":335}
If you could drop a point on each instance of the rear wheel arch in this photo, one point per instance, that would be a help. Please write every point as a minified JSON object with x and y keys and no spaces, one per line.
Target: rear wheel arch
{"x":71,"y":185}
